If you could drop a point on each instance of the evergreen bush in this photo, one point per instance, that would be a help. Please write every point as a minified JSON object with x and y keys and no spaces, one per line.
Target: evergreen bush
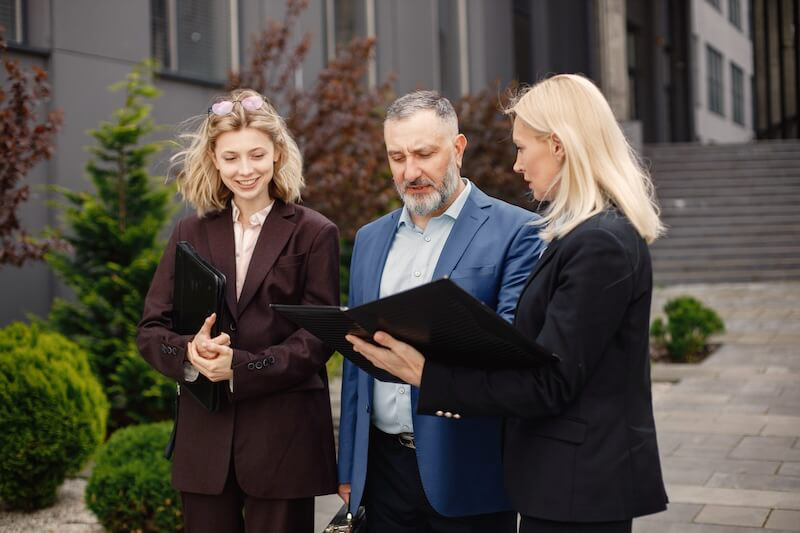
{"x":52,"y":414}
{"x":113,"y":233}
{"x":686,"y":330}
{"x":130,"y":489}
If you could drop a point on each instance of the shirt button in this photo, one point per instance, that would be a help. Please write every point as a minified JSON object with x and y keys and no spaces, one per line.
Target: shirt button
{"x":427,"y":238}
{"x":417,"y":274}
{"x":402,"y":391}
{"x":406,"y":428}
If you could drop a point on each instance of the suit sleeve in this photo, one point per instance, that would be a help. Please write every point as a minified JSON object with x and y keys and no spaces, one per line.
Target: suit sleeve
{"x":300,"y":355}
{"x":594,"y":289}
{"x":349,"y":393}
{"x":520,"y":258}
{"x":158,"y":344}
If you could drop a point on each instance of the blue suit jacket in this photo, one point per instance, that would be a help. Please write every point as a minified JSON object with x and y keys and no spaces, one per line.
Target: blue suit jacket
{"x":490,"y":252}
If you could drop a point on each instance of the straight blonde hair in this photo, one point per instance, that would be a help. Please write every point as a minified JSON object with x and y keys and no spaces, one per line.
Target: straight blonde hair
{"x":600,"y":167}
{"x":198,"y":179}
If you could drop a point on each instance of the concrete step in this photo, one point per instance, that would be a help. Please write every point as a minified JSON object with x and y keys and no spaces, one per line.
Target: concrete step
{"x":756,"y":254}
{"x":761,"y":173}
{"x":679,"y":264}
{"x":672,"y":241}
{"x":670,"y":210}
{"x":765,"y":218}
{"x":666,"y":190}
{"x":661,"y":278}
{"x":736,"y":230}
{"x":725,"y":164}
{"x":694,"y":201}
{"x":695,"y":150}
{"x":762,"y":176}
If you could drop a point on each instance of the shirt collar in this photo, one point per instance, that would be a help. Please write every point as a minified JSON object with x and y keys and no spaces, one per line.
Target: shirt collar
{"x":257,"y":218}
{"x":453,"y":211}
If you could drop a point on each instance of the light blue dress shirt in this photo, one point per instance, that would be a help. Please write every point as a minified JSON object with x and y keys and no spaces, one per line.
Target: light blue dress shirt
{"x":411,"y":261}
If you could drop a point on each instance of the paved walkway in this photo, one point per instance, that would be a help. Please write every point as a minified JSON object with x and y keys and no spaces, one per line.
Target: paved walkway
{"x":729,"y":428}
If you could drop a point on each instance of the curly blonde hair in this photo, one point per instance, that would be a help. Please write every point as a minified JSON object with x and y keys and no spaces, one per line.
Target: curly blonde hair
{"x":198,"y":180}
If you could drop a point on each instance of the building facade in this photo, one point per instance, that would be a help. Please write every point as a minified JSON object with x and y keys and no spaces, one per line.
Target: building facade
{"x":650,"y":59}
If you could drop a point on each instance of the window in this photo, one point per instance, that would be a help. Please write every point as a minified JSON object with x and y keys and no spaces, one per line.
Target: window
{"x":347,"y":20}
{"x":195,"y":38}
{"x":737,"y":93}
{"x":11,"y":20}
{"x":633,"y":101}
{"x":714,"y":80}
{"x":522,"y":22}
{"x":735,"y":12}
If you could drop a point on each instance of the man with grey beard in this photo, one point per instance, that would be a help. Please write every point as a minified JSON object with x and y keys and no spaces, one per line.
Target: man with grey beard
{"x":430,"y":473}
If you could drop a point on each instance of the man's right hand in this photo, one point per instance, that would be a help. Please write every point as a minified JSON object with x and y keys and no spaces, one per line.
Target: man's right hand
{"x":344,"y":492}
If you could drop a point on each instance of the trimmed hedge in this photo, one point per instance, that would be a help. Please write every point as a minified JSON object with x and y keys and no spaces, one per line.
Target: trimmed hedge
{"x":130,"y":488}
{"x":52,"y":413}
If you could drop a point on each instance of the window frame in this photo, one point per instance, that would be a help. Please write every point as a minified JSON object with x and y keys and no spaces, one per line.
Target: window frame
{"x":737,"y":94}
{"x":173,"y":69}
{"x":715,"y":84}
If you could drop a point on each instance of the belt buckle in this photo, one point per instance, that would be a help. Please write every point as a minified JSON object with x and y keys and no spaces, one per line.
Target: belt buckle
{"x":407,"y":440}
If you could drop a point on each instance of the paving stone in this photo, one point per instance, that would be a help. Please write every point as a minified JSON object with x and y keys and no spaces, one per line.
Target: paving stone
{"x":753,"y":450}
{"x":755,"y":481}
{"x":734,"y":497}
{"x":788,"y":520}
{"x":676,"y":512}
{"x":732,"y":516}
{"x":699,"y":477}
{"x":789,"y":469}
{"x":644,"y":525}
{"x":731,"y":466}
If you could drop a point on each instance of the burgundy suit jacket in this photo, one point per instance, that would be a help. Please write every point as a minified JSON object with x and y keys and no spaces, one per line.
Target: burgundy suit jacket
{"x":276,"y":425}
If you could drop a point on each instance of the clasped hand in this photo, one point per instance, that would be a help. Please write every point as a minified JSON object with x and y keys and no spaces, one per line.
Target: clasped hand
{"x":212,"y":357}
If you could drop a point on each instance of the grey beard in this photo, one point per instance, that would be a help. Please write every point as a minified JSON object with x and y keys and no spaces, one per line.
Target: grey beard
{"x":435,"y":200}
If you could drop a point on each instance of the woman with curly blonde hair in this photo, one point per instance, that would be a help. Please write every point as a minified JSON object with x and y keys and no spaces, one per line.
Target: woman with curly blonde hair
{"x":256,"y":463}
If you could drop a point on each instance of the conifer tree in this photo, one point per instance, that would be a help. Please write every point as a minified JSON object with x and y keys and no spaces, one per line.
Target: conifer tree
{"x":113,"y":236}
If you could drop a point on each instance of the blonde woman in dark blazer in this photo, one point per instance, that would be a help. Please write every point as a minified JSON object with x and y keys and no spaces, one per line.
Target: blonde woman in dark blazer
{"x":580,"y":442}
{"x":257,"y":463}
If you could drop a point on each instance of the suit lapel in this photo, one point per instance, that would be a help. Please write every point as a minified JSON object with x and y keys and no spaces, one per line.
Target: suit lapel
{"x":222,"y":251}
{"x":470,"y":219}
{"x":275,"y":233}
{"x":546,"y":256}
{"x":376,"y":258}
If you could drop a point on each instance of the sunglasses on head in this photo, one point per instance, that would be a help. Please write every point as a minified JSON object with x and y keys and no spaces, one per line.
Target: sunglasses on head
{"x":249,"y":103}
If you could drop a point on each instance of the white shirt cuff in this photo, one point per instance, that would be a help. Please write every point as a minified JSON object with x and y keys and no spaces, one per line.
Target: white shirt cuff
{"x":190,"y":373}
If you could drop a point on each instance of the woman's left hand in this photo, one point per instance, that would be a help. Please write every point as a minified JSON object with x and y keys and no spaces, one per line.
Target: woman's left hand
{"x":218,"y":366}
{"x":398,"y":358}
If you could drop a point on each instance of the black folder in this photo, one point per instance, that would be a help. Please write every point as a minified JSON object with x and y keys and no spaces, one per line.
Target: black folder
{"x":441,"y":320}
{"x":199,"y":290}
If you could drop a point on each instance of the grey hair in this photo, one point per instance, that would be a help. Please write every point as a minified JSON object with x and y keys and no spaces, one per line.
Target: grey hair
{"x":416,"y":101}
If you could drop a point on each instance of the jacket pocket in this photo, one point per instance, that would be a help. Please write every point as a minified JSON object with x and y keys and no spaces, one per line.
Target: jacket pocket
{"x":290,"y":260}
{"x":471,"y":272}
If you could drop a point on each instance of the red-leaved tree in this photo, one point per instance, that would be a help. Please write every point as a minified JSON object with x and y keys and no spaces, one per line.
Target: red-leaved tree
{"x":25,"y":140}
{"x":338,"y":122}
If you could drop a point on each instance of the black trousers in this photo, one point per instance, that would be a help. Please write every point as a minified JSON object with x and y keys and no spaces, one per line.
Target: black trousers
{"x":395,"y":501}
{"x":233,"y":511}
{"x":536,"y":525}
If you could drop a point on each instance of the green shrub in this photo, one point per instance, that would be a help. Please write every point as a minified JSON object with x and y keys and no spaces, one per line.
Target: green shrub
{"x":130,"y":489}
{"x":52,"y":414}
{"x":688,"y":326}
{"x":114,"y":248}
